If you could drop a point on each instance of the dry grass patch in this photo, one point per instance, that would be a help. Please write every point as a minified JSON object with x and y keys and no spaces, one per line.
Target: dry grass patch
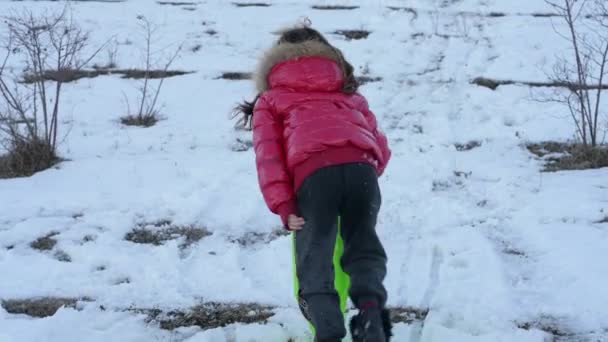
{"x":353,"y":34}
{"x":67,"y":76}
{"x":569,"y":156}
{"x":38,"y":307}
{"x":493,"y":84}
{"x":367,"y":79}
{"x":177,"y":3}
{"x":45,"y":243}
{"x":210,"y":315}
{"x":144,"y":120}
{"x":26,"y":157}
{"x":460,"y":147}
{"x":334,"y":7}
{"x":256,"y":238}
{"x":251,"y":4}
{"x":235,"y":76}
{"x":158,"y":233}
{"x":408,"y":314}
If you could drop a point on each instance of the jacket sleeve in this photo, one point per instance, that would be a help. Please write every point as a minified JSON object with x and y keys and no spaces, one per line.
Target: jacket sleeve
{"x":273,"y":177}
{"x":378,"y":134}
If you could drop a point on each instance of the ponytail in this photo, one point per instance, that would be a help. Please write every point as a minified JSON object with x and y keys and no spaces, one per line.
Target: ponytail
{"x":245,"y":111}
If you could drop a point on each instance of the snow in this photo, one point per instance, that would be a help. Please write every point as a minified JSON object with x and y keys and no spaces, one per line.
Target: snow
{"x":481,"y":238}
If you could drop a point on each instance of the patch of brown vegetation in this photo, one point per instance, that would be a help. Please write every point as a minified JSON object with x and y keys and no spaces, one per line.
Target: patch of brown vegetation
{"x":255,"y":238}
{"x":367,"y":79}
{"x":38,"y":307}
{"x":334,"y":7}
{"x":45,"y":243}
{"x":408,"y":314}
{"x":353,"y":34}
{"x":210,"y":315}
{"x":494,"y":84}
{"x":67,"y":76}
{"x":177,"y":3}
{"x":460,"y":147}
{"x":251,"y":4}
{"x":146,"y":120}
{"x":158,"y":233}
{"x":569,"y":156}
{"x":27,"y":158}
{"x":235,"y":76}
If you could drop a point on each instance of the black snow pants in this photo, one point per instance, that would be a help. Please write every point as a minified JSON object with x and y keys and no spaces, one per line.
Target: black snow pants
{"x":350,"y":191}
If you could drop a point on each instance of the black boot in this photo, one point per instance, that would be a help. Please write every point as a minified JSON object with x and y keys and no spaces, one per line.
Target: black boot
{"x":371,"y":324}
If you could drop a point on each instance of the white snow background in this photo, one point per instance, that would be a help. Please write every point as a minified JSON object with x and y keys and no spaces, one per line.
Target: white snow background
{"x":492,"y":247}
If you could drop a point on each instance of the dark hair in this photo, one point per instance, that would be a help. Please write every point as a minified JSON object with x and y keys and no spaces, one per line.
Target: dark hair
{"x":294,"y":36}
{"x":300,"y":35}
{"x":245,"y":109}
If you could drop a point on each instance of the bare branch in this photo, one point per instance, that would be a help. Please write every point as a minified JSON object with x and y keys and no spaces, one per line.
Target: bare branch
{"x":166,"y":68}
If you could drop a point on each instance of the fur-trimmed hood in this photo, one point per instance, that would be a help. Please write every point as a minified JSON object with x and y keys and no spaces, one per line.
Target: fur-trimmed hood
{"x":287,"y":51}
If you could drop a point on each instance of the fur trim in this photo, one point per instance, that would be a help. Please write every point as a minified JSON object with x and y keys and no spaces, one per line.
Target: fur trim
{"x":286,"y":51}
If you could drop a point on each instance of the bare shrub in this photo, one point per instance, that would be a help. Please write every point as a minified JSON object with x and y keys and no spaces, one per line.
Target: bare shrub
{"x":30,"y":111}
{"x":148,"y":111}
{"x":587,"y":35}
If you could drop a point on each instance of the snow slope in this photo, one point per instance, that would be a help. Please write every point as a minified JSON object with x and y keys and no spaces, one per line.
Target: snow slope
{"x":496,"y":250}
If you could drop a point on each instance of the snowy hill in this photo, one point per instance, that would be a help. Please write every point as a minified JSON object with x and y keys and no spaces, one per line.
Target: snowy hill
{"x":145,"y":229}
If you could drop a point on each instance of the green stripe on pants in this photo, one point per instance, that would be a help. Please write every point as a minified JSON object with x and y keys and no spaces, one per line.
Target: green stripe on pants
{"x":341,"y":279}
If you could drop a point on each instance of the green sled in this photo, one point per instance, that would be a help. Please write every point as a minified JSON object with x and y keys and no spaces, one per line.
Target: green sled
{"x":341,"y":281}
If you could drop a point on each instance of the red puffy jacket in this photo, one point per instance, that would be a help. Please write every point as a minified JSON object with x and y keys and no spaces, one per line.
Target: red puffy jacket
{"x":304,"y":122}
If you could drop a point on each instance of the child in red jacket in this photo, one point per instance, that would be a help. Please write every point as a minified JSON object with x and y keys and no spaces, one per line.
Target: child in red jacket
{"x":319,"y":154}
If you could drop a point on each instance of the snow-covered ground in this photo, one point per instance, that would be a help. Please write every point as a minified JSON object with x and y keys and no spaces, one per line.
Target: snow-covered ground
{"x":492,"y":247}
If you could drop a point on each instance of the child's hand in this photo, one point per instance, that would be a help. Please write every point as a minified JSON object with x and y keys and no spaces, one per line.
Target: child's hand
{"x":295,"y":223}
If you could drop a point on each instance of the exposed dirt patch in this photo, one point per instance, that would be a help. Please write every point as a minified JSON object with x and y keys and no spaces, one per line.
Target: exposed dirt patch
{"x":38,"y":307}
{"x":177,"y":3}
{"x":256,"y":238}
{"x":62,"y":256}
{"x":408,"y":315}
{"x":67,"y":76}
{"x":209,"y":315}
{"x":545,"y":15}
{"x":251,"y":4}
{"x":196,"y":48}
{"x":367,"y":79}
{"x":551,"y":325}
{"x":235,"y":76}
{"x":568,"y":156}
{"x":460,"y":147}
{"x":146,"y":120}
{"x":496,"y":15}
{"x":334,"y":7}
{"x":121,"y":281}
{"x":353,"y":34}
{"x":89,"y":238}
{"x":157,"y":233}
{"x":45,"y":243}
{"x":494,"y":84}
{"x":514,"y":251}
{"x":151,"y":74}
